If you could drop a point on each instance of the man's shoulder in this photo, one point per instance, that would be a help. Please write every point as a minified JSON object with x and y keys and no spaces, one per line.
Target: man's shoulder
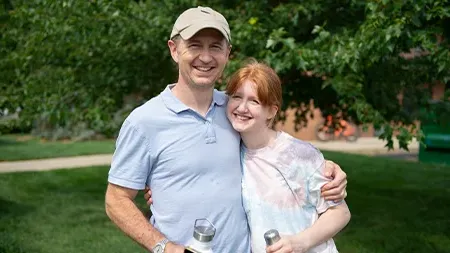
{"x":220,"y":95}
{"x":145,"y":115}
{"x":147,"y":109}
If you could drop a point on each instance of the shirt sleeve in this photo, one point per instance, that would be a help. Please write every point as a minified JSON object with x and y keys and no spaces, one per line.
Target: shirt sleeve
{"x":131,"y":162}
{"x":315,"y":182}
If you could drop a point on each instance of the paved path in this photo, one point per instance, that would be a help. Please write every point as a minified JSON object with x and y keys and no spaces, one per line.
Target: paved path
{"x":55,"y":163}
{"x":368,"y":146}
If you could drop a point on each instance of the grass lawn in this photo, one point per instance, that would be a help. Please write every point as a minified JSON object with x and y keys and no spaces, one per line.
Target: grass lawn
{"x":22,"y":147}
{"x":396,"y":207}
{"x":58,"y":211}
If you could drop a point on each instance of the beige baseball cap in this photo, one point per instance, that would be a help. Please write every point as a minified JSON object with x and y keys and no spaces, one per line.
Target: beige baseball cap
{"x":195,"y":19}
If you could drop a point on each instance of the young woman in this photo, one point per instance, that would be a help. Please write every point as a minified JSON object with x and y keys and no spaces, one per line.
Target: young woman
{"x":282,"y":176}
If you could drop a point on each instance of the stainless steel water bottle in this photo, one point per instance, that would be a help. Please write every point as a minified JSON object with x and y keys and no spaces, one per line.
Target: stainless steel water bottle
{"x":201,"y":241}
{"x":271,"y":236}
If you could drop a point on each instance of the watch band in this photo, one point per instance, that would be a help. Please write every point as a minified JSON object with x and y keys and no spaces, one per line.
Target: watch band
{"x":164,"y":242}
{"x":161,"y":244}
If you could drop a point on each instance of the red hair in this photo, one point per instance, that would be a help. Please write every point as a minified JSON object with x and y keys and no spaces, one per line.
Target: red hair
{"x":267,"y":83}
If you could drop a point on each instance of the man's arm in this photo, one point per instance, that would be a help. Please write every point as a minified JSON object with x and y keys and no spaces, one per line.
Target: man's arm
{"x":121,"y":209}
{"x":336,"y":189}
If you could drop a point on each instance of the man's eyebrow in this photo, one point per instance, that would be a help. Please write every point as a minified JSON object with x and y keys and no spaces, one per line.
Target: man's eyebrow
{"x":218,"y":43}
{"x":193,"y":41}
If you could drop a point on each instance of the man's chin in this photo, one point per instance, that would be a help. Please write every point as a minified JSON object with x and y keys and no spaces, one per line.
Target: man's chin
{"x":205,"y":83}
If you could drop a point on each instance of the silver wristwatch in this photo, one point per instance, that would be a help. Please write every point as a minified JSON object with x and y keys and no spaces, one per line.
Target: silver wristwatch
{"x":160,"y":246}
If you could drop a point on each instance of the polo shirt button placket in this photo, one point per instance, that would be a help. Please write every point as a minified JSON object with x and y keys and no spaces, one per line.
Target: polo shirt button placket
{"x":210,"y":135}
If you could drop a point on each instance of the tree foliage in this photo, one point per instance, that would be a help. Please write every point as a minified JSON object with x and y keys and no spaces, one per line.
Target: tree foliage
{"x":69,"y":64}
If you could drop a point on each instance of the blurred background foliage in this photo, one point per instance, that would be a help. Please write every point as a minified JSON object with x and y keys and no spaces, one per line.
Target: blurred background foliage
{"x":75,"y":69}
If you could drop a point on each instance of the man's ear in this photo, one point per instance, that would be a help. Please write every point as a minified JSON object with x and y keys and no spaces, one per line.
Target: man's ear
{"x":228,"y":51}
{"x":173,"y":50}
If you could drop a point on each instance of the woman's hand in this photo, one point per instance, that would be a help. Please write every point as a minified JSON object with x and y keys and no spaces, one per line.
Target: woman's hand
{"x":148,"y":196}
{"x":288,"y":244}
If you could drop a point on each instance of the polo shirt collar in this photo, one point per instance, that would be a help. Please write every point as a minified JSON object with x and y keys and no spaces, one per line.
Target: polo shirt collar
{"x":174,"y":104}
{"x":219,"y":98}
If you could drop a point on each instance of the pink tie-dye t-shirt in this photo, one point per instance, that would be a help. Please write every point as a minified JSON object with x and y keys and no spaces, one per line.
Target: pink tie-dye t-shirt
{"x":281,"y":189}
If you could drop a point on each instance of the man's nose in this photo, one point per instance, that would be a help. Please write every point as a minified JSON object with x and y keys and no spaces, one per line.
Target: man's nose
{"x":205,"y":56}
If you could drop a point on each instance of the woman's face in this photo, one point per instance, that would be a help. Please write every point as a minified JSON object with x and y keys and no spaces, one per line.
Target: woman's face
{"x":245,"y":111}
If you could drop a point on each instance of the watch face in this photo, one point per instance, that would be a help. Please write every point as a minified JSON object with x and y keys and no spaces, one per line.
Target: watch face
{"x":158,"y":249}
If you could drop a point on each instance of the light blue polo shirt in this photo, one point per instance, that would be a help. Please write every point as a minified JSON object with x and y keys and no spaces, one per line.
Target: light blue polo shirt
{"x":192,"y":165}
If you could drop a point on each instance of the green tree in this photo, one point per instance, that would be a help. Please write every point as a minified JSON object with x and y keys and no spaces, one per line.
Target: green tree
{"x":69,"y":63}
{"x":352,"y":56}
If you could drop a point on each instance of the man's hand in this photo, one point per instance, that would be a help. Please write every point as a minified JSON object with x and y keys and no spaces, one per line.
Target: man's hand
{"x":148,"y":196}
{"x":336,"y":189}
{"x":173,"y":248}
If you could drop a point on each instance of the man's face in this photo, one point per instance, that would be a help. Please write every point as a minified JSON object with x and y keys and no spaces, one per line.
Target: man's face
{"x":202,"y":58}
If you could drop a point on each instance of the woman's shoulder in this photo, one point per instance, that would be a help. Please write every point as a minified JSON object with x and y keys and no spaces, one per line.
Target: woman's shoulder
{"x":299,"y":154}
{"x":298,"y":145}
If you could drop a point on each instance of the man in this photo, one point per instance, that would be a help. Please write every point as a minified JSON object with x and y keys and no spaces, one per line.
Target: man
{"x":181,"y":144}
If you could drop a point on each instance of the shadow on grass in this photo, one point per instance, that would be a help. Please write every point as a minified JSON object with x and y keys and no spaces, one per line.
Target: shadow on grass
{"x":9,"y":142}
{"x":8,"y":245}
{"x":10,"y":209}
{"x":408,"y":218}
{"x":10,"y":212}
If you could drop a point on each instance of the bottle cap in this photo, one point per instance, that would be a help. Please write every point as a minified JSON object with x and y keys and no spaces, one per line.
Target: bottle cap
{"x":204,"y":230}
{"x":272,"y":236}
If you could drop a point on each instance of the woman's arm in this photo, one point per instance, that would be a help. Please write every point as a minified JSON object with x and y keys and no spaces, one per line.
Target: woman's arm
{"x":328,"y":225}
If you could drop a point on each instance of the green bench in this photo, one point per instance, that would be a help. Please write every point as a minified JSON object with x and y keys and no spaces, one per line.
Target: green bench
{"x":436,"y":146}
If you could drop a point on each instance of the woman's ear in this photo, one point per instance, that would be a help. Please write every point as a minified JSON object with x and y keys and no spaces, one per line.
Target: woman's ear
{"x":273,"y":110}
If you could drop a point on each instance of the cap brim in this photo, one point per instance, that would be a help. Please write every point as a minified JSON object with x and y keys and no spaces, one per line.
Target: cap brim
{"x":192,"y":30}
